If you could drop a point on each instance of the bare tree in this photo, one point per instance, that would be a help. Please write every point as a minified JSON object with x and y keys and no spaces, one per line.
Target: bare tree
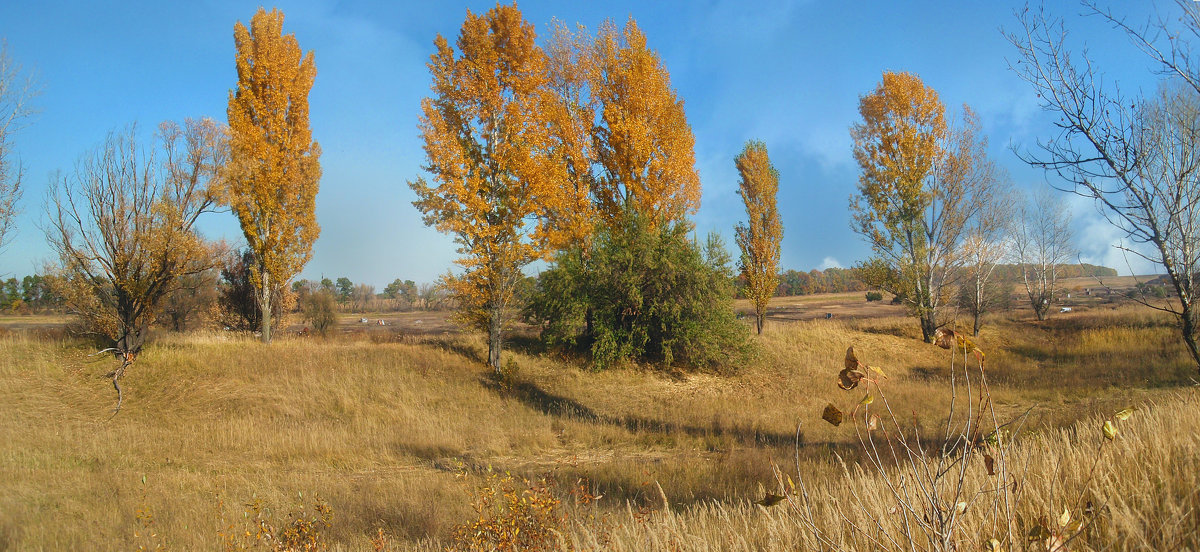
{"x":1137,"y":158}
{"x":1041,"y":245}
{"x":985,"y":247}
{"x":121,"y":224}
{"x":361,"y":296}
{"x":16,"y":92}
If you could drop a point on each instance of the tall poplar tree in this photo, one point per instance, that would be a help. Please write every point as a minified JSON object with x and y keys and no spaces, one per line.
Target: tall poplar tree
{"x":759,"y":238}
{"x":494,"y":176}
{"x":274,"y":168}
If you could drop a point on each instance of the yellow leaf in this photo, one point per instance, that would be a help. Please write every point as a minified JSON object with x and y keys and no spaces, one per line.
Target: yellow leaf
{"x":868,"y":399}
{"x":1124,"y":414}
{"x":1065,"y":518}
{"x":1110,"y":430}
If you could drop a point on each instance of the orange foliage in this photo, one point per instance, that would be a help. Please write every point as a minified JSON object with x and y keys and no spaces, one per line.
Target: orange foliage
{"x":643,"y":142}
{"x":495,"y":167}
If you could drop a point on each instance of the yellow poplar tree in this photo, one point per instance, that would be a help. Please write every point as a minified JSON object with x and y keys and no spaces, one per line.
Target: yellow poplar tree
{"x":644,"y":144}
{"x":497,"y":170}
{"x":274,"y":168}
{"x":759,"y":238}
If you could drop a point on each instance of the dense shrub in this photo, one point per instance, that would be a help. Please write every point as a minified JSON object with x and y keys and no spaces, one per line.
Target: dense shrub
{"x":643,"y":293}
{"x":320,"y":310}
{"x":874,"y":296}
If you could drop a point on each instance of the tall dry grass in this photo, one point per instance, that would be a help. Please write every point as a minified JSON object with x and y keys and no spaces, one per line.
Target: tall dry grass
{"x":1139,"y":492}
{"x":381,"y":431}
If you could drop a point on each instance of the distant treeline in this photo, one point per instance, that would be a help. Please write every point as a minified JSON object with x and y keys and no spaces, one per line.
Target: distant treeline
{"x":838,"y":280}
{"x":830,"y":280}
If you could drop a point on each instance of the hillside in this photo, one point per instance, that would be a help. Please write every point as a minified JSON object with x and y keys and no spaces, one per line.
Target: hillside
{"x":396,"y":437}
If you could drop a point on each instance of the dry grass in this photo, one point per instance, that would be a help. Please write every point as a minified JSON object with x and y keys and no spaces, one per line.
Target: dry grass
{"x":379,"y":430}
{"x":1139,"y":492}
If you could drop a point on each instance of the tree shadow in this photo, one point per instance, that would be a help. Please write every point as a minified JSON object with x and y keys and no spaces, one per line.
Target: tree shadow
{"x":559,"y":406}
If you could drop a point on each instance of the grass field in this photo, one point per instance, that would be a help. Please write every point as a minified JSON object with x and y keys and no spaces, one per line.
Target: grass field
{"x":222,"y":439}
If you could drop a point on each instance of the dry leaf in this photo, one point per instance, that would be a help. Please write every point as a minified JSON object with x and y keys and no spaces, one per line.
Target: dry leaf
{"x":880,"y":372}
{"x":946,"y":339}
{"x":770,"y":500}
{"x":848,"y":379}
{"x":851,"y":359}
{"x":832,"y":415}
{"x":993,"y":545}
{"x":990,"y":463}
{"x":1065,"y":518}
{"x":1124,"y":414}
{"x":873,"y":422}
{"x":943,"y":338}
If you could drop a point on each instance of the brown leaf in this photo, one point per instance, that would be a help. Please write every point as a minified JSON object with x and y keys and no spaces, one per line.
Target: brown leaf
{"x":770,"y":500}
{"x":943,"y":338}
{"x":848,"y":379}
{"x":873,"y":422}
{"x":832,"y":415}
{"x":990,"y":463}
{"x":851,"y":359}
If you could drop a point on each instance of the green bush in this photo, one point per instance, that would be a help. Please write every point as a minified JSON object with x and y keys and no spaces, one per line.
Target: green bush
{"x":874,"y":296}
{"x":320,"y":310}
{"x":643,"y":293}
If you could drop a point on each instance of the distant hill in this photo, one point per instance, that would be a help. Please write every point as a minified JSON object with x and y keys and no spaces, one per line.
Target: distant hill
{"x":839,"y":280}
{"x":1013,"y":272}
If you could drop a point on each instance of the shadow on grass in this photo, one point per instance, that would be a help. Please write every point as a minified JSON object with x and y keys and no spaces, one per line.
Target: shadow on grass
{"x":554,"y":405}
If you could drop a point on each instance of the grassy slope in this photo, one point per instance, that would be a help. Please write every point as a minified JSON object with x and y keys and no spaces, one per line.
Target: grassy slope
{"x":380,"y":430}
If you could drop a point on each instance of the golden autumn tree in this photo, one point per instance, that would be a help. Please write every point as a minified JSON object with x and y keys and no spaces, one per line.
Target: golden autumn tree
{"x":759,"y":238}
{"x":274,"y":162}
{"x":492,"y":162}
{"x":922,"y":184}
{"x":643,"y":142}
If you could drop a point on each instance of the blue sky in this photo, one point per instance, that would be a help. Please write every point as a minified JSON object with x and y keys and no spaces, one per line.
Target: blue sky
{"x":787,"y":73}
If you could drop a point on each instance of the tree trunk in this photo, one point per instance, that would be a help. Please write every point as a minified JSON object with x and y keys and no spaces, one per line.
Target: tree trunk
{"x":495,"y":340}
{"x":928,"y":327}
{"x":761,"y":319}
{"x":1187,"y":322}
{"x":265,"y":303}
{"x":978,"y":323}
{"x":1040,"y":310}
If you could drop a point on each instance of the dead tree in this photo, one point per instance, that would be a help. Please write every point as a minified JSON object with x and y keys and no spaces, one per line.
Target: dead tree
{"x":121,"y":224}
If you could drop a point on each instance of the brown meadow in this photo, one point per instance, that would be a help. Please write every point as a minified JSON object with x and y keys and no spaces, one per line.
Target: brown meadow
{"x":397,"y":437}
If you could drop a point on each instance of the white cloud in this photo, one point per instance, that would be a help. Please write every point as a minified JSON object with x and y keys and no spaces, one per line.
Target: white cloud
{"x":829,"y":262}
{"x":1100,"y":242}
